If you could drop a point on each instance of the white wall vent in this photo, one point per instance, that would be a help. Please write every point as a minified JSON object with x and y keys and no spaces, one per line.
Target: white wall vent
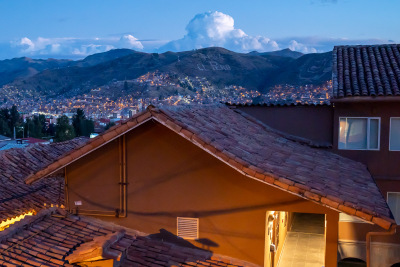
{"x":188,"y":228}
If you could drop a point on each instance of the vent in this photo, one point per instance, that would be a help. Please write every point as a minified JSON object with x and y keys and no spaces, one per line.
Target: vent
{"x":188,"y":228}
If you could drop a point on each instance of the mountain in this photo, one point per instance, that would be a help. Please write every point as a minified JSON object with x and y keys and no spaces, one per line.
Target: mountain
{"x":24,"y":67}
{"x":280,"y":53}
{"x":103,"y":57}
{"x":219,"y":66}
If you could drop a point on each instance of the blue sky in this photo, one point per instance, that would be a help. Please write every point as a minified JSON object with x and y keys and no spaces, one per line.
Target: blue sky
{"x":74,"y":29}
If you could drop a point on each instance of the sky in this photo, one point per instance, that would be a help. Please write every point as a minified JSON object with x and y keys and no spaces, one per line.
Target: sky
{"x":74,"y":29}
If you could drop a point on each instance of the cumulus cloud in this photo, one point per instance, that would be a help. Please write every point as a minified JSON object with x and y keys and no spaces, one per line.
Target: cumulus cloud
{"x":296,"y":46}
{"x":129,"y":41}
{"x":218,"y":29}
{"x":70,"y":47}
{"x":316,"y":44}
{"x":204,"y":30}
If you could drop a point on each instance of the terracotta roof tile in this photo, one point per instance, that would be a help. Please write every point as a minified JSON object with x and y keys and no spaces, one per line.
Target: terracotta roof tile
{"x":254,"y":149}
{"x":55,"y":238}
{"x":16,"y":164}
{"x":366,"y":70}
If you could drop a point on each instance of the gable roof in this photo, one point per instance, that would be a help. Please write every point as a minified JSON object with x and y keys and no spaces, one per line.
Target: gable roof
{"x":56,"y":238}
{"x":15,"y":164}
{"x":366,"y":71}
{"x":259,"y":152}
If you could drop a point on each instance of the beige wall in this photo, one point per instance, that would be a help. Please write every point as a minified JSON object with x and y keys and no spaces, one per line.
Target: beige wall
{"x":169,"y":177}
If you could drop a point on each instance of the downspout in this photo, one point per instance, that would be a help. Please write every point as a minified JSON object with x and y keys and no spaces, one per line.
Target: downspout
{"x":392,"y":231}
{"x":122,"y":178}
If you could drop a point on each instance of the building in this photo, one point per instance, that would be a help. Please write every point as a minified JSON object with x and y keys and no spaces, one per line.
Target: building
{"x":218,"y":179}
{"x":362,"y":124}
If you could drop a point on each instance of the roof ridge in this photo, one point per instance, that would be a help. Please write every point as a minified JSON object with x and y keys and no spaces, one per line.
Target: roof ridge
{"x":25,"y":222}
{"x":179,"y":119}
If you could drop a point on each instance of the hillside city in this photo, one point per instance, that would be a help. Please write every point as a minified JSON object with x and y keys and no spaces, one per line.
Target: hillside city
{"x":120,"y":100}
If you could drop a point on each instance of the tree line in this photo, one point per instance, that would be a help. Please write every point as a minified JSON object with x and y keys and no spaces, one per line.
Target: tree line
{"x":36,"y":126}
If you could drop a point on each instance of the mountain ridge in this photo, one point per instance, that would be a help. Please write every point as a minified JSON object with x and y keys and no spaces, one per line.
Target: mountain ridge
{"x":220,"y":66}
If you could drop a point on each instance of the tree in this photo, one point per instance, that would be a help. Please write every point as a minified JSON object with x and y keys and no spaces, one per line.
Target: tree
{"x":82,"y":125}
{"x":4,"y":129}
{"x":77,"y":121}
{"x":64,"y":131}
{"x":14,"y":117}
{"x":9,"y":118}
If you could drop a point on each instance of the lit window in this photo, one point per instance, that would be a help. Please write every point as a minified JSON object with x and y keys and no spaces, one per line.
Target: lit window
{"x":359,"y":133}
{"x":393,"y":200}
{"x":394,"y":134}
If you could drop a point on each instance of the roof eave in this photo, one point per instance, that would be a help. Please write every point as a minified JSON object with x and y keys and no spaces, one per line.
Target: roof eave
{"x":366,"y":99}
{"x":250,"y":171}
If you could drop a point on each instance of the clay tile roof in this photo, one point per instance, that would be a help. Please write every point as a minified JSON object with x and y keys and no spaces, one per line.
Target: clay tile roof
{"x":16,"y":197}
{"x":366,"y":70}
{"x":260,"y":152}
{"x":55,"y":238}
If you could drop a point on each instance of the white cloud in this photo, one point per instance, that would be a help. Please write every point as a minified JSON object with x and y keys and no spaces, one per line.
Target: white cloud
{"x":217,"y":29}
{"x":296,"y":46}
{"x":129,"y":41}
{"x":204,"y":30}
{"x":69,"y":47}
{"x":317,"y":44}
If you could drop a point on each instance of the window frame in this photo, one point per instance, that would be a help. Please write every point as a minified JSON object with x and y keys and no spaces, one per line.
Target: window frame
{"x":387,"y":201}
{"x":368,"y":133}
{"x":390,"y":135}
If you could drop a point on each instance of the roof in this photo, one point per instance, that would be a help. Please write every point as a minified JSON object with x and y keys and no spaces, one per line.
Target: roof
{"x":15,"y":164}
{"x":366,"y":71}
{"x":279,"y":104}
{"x":259,"y":152}
{"x":56,"y":238}
{"x":4,"y":138}
{"x":32,"y":140}
{"x":12,"y":144}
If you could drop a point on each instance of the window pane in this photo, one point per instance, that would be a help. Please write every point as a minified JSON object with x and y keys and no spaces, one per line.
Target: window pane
{"x":353,"y":133}
{"x":342,"y":133}
{"x":394,"y":205}
{"x":374,"y":134}
{"x":395,"y":134}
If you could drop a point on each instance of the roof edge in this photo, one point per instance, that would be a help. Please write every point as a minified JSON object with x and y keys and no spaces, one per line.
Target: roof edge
{"x":236,"y":163}
{"x":366,"y":99}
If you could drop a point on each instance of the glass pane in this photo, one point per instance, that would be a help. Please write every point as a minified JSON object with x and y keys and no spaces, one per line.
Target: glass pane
{"x":394,"y":205}
{"x":395,"y":134}
{"x":374,"y":134}
{"x":342,"y":133}
{"x":353,"y":133}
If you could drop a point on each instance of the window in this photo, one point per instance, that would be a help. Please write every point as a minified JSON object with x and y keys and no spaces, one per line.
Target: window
{"x":393,"y":199}
{"x":394,"y":134}
{"x":188,"y":228}
{"x":359,"y":133}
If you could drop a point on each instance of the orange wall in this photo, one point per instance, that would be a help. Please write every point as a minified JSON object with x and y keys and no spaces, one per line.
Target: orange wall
{"x":94,"y":179}
{"x":169,"y":177}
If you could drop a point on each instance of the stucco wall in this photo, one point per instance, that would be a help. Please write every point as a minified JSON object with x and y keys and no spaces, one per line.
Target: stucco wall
{"x":383,"y":164}
{"x":311,"y":122}
{"x":170,"y":177}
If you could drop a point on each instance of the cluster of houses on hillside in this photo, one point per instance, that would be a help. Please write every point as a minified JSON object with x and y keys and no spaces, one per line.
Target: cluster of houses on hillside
{"x":218,"y":185}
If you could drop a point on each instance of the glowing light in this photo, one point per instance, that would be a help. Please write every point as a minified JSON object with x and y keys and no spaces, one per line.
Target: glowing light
{"x":10,"y":221}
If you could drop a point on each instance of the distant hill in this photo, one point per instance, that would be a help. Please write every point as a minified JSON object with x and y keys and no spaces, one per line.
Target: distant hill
{"x":24,"y":67}
{"x":280,"y":53}
{"x":220,"y":66}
